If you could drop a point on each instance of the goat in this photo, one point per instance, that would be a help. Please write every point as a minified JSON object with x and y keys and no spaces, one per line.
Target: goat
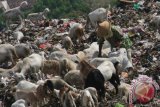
{"x":67,"y":43}
{"x":8,"y":52}
{"x":86,"y":98}
{"x":29,"y":97}
{"x":22,"y":50}
{"x":103,"y":31}
{"x":38,"y":16}
{"x":122,"y":56}
{"x":124,"y":90}
{"x":31,"y":64}
{"x":56,"y":83}
{"x":11,"y":71}
{"x":76,"y":32}
{"x":26,"y":86}
{"x":97,"y":77}
{"x":14,"y":12}
{"x":32,"y":93}
{"x":18,"y":35}
{"x":60,"y":67}
{"x":74,"y":78}
{"x":99,"y":14}
{"x":92,"y":51}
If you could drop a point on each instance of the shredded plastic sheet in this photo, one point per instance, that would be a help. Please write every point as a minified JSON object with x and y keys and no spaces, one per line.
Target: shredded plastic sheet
{"x":143,"y":89}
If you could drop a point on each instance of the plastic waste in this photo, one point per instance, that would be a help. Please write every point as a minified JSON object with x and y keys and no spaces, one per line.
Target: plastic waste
{"x":119,"y":105}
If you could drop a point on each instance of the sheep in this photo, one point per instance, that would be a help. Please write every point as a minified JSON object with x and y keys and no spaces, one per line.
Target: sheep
{"x":14,"y":12}
{"x":38,"y":16}
{"x":19,"y":103}
{"x":76,"y":32}
{"x":8,"y":52}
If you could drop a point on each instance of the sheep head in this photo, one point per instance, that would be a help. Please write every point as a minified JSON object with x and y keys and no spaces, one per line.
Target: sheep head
{"x":19,"y":76}
{"x":48,"y":87}
{"x":46,"y":10}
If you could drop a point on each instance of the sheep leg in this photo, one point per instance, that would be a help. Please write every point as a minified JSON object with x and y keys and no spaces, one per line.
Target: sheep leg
{"x":11,"y":58}
{"x":112,"y":81}
{"x":101,"y":42}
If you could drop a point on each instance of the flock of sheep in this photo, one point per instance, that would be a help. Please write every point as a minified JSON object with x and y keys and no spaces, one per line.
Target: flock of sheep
{"x":75,"y":71}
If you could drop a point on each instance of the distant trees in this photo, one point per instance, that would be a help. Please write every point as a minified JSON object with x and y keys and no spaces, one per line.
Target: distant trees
{"x":62,"y":8}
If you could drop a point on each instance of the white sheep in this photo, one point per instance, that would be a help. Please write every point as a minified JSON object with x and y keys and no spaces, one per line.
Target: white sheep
{"x":38,"y":16}
{"x":14,"y":12}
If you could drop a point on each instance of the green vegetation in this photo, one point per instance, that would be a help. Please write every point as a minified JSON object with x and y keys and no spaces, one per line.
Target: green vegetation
{"x":62,"y":8}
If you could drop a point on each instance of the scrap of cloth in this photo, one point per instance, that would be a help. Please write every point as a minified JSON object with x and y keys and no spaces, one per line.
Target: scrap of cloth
{"x":143,"y":90}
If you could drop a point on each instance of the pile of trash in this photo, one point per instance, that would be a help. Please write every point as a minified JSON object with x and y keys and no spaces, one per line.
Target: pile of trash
{"x":29,"y":54}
